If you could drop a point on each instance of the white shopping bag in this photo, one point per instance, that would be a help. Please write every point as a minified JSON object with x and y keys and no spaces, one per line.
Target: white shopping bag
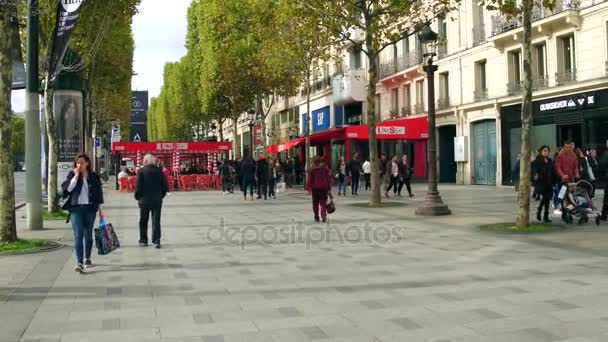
{"x":280,"y":187}
{"x":562,"y":192}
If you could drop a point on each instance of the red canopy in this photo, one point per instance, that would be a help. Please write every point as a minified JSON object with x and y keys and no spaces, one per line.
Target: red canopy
{"x":278,"y":148}
{"x":170,"y":147}
{"x":402,"y":128}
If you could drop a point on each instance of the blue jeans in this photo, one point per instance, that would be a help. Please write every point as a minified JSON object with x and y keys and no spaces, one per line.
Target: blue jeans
{"x":341,"y":184}
{"x":83,"y":219}
{"x":556,"y":200}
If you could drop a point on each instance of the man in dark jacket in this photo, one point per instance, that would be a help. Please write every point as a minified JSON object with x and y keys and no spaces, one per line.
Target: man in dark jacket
{"x":602,"y":180}
{"x":262,"y":174}
{"x":354,"y":171}
{"x":150,"y":190}
{"x":247,"y":174}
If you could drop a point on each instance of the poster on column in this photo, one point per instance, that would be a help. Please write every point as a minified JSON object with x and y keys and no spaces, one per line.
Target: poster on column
{"x":69,"y":123}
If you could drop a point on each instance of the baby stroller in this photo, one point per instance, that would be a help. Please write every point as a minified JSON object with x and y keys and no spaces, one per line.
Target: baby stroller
{"x":577,"y":203}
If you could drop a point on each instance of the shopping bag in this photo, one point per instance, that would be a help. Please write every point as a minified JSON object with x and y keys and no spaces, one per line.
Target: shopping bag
{"x":562,"y":192}
{"x":280,"y":187}
{"x":106,"y":239}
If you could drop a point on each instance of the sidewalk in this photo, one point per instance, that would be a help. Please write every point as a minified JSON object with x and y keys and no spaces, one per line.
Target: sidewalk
{"x":233,"y":270}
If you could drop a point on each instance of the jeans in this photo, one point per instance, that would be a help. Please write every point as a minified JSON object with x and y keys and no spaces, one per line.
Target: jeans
{"x":556,"y":200}
{"x":144,"y":215}
{"x":271,"y":185}
{"x":354,"y":184}
{"x":83,"y":219}
{"x":248,"y":184}
{"x":408,"y":186}
{"x":368,"y":181}
{"x":262,"y":188}
{"x":546,"y":196}
{"x":393,"y":185}
{"x":226,"y":183}
{"x":341,"y":184}
{"x":319,"y":201}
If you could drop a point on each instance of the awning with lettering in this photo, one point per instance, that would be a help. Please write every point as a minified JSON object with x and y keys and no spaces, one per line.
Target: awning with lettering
{"x":401,"y":128}
{"x":170,"y":147}
{"x":281,"y":147}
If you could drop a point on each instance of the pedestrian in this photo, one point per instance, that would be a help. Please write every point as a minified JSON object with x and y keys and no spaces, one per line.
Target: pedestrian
{"x":150,"y":191}
{"x":393,"y":176}
{"x":123,"y":173}
{"x":247,"y":174}
{"x":543,"y":174}
{"x":320,"y":186}
{"x":584,"y":168}
{"x":225,"y":176}
{"x":405,"y":176}
{"x":383,"y":171}
{"x":515,"y":173}
{"x":262,"y":174}
{"x":341,"y":176}
{"x":272,"y":178}
{"x":567,"y":169}
{"x":84,"y":193}
{"x":354,"y":169}
{"x":367,"y":172}
{"x":602,"y":182}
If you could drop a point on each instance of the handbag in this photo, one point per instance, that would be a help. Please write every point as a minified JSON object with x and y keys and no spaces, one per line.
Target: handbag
{"x":106,"y":239}
{"x":331,"y":207}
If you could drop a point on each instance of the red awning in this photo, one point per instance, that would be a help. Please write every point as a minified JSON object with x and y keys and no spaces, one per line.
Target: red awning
{"x":170,"y":147}
{"x":278,"y":148}
{"x":402,"y":128}
{"x":334,"y":133}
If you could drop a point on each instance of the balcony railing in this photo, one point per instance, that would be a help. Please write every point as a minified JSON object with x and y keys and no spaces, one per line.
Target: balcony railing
{"x":403,"y":62}
{"x":503,"y":23}
{"x":406,"y":110}
{"x":443,"y":103}
{"x":418,"y":108}
{"x":540,"y":82}
{"x":565,"y":77}
{"x":514,"y":87}
{"x":480,"y":94}
{"x":479,"y":35}
{"x":442,"y":50}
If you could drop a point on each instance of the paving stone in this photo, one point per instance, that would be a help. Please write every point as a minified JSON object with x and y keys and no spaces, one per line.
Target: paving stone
{"x":314,"y":333}
{"x":289,"y":312}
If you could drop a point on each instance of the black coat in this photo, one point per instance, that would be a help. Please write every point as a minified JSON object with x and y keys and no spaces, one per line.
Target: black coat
{"x":247,"y":170}
{"x":151,"y":187}
{"x":354,"y":168}
{"x":263,"y":172}
{"x":405,"y":170}
{"x":544,"y":172}
{"x":95,"y":190}
{"x":602,"y":176}
{"x":584,"y":169}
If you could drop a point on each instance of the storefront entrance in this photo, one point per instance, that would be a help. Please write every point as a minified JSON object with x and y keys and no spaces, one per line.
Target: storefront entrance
{"x":484,"y":150}
{"x":447,"y":165}
{"x":572,"y":132}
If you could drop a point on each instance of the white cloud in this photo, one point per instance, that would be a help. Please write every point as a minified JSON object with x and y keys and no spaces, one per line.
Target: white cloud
{"x":159,"y":31}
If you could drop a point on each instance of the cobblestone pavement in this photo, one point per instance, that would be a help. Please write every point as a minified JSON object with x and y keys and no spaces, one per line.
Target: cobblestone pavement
{"x":233,"y":270}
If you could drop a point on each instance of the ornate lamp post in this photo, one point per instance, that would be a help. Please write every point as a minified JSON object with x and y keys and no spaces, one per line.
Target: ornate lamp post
{"x":433,"y":205}
{"x":251,"y":120}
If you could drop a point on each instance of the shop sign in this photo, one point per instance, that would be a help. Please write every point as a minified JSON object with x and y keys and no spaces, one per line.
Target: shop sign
{"x":569,"y":103}
{"x":390,"y":130}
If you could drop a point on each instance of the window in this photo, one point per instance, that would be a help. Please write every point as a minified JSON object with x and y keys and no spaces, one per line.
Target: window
{"x":443,"y":27}
{"x":378,"y":107}
{"x":566,"y":60}
{"x":444,"y":89}
{"x":407,"y":103}
{"x":481,"y":90}
{"x":284,"y":117}
{"x":419,"y":96}
{"x":539,"y":64}
{"x":355,"y":58}
{"x":405,"y":45}
{"x":514,"y":69}
{"x":395,"y":102}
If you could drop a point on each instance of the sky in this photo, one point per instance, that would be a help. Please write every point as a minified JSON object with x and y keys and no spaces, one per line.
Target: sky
{"x":159,"y":31}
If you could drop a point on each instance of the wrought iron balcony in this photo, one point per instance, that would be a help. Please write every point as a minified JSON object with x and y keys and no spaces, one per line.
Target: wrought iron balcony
{"x":565,"y":77}
{"x":480,"y":94}
{"x":443,"y":103}
{"x":418,"y":108}
{"x":406,"y":111}
{"x":540,"y":82}
{"x":406,"y":61}
{"x":442,"y":50}
{"x":514,"y":87}
{"x":479,"y":35}
{"x":504,"y":23}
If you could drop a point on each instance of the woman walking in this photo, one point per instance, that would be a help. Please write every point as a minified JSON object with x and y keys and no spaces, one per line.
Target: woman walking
{"x":341,"y":176}
{"x":85,"y":199}
{"x":320,"y":186}
{"x":543,"y":173}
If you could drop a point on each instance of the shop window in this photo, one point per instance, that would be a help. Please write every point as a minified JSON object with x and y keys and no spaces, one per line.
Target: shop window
{"x":566,"y":60}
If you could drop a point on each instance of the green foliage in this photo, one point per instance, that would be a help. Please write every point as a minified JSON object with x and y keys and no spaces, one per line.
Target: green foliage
{"x":21,"y":246}
{"x":18,"y":136}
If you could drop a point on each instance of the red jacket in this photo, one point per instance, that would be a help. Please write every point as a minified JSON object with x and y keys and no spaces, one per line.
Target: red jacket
{"x":566,"y":166}
{"x":320,"y":179}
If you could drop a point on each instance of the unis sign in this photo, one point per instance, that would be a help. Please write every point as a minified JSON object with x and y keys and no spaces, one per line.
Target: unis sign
{"x":390,"y":130}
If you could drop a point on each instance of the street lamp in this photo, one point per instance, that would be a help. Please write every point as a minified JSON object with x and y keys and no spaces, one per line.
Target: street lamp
{"x":433,"y":205}
{"x":251,"y":118}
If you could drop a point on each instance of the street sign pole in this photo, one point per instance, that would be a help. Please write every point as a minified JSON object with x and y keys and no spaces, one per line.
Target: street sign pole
{"x":33,"y":182}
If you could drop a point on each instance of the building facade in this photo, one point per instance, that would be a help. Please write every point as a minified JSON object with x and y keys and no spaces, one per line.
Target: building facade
{"x":479,"y":83}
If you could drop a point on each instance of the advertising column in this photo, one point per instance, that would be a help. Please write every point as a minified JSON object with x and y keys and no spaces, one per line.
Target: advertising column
{"x":69,"y":119}
{"x":138,"y":131}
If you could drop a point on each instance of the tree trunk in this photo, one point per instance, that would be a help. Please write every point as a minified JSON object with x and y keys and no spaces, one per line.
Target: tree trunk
{"x":51,"y":133}
{"x":375,"y":198}
{"x":8,"y":229}
{"x":523,"y":210}
{"x":235,"y":136}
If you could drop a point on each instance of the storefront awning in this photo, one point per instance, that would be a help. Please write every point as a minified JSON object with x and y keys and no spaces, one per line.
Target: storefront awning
{"x":170,"y":147}
{"x":278,"y":148}
{"x":402,"y":129}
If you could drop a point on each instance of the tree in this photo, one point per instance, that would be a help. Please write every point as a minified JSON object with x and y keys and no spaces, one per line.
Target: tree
{"x":18,"y":136}
{"x":381,"y":22}
{"x":8,"y":229}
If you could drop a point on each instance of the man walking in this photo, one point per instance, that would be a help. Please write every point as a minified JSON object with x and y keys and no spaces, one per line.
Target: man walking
{"x":263,"y":174}
{"x":367,"y":172}
{"x":405,"y":176}
{"x":150,"y":190}
{"x":354,"y":169}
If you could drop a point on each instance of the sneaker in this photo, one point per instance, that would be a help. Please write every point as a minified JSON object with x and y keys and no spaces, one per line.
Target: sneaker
{"x":557,"y":212}
{"x":411,"y":195}
{"x":79,"y":268}
{"x":88,"y":263}
{"x":224,"y":193}
{"x":143,"y":244}
{"x":157,"y":245}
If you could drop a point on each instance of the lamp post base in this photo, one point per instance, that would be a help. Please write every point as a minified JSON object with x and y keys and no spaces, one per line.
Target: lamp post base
{"x":433,"y":206}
